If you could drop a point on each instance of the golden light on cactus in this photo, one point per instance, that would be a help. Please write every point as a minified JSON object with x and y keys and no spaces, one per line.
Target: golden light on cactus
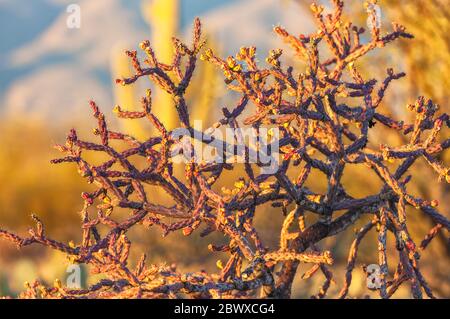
{"x":431,"y":31}
{"x":347,"y":191}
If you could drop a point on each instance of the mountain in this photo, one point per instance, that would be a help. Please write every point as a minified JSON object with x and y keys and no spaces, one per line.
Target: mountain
{"x":51,"y":71}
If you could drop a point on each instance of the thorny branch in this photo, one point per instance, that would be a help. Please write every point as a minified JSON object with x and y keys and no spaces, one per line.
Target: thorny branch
{"x":321,"y":129}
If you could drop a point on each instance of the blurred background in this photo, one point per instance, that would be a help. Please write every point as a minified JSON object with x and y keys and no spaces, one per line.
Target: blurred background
{"x":49,"y":72}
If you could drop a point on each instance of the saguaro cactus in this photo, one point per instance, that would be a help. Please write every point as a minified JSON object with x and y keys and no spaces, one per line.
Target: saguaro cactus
{"x":163,"y":17}
{"x":126,"y":96}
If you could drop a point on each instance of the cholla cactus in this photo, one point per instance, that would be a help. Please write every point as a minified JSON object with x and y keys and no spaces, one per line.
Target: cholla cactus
{"x":323,"y":113}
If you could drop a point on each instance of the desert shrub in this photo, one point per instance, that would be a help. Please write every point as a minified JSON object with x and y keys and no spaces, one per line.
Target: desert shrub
{"x":323,"y":115}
